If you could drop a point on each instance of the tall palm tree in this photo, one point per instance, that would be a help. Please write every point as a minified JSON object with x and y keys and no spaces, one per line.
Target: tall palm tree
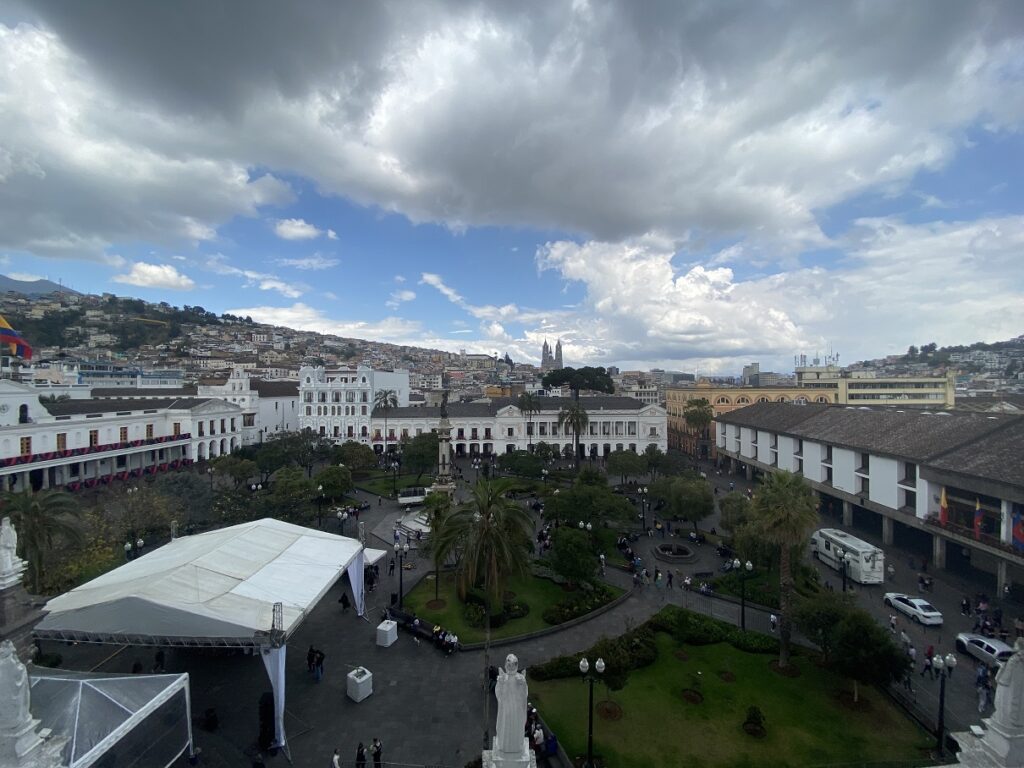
{"x":40,"y":519}
{"x":785,"y":512}
{"x":529,"y":404}
{"x":438,"y":507}
{"x":384,"y":400}
{"x":491,"y":535}
{"x":576,"y":418}
{"x":698,"y":414}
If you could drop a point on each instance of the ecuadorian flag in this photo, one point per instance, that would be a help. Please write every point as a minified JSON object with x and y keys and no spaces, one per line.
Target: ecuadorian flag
{"x":11,"y":341}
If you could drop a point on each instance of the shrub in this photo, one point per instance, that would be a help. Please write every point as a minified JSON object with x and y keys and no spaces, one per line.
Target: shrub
{"x":474,"y":615}
{"x":753,"y":642}
{"x":697,"y":629}
{"x":755,"y":718}
{"x":557,"y":668}
{"x":516,"y":609}
{"x":579,"y":604}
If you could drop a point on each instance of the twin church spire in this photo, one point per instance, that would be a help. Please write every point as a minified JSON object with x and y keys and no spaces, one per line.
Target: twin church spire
{"x":549,"y":361}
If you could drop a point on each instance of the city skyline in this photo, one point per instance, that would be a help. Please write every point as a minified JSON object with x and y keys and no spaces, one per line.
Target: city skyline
{"x":632,"y":181}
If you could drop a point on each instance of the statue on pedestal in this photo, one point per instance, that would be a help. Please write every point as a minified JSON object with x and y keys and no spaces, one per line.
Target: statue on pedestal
{"x":511,"y":692}
{"x":1009,"y":704}
{"x":9,"y":559}
{"x":14,"y":689}
{"x":444,"y":404}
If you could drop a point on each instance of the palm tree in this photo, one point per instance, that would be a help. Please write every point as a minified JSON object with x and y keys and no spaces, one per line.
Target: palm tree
{"x":438,"y":506}
{"x":491,"y":535}
{"x":384,"y":400}
{"x":785,"y":512}
{"x":40,"y":518}
{"x":529,"y":404}
{"x":698,"y":415}
{"x":575,"y":417}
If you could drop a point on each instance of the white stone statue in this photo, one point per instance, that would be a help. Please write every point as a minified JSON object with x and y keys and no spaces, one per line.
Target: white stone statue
{"x":14,"y":688}
{"x":1009,"y":703}
{"x":8,"y":546}
{"x":511,"y":692}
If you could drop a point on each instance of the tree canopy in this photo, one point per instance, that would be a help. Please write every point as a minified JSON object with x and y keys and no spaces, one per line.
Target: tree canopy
{"x":623,"y":463}
{"x":356,"y":456}
{"x":572,"y":556}
{"x":336,"y":481}
{"x":577,"y":379}
{"x":419,"y":454}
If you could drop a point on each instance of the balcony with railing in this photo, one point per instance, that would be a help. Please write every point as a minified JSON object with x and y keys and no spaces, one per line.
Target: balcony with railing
{"x":92,"y":450}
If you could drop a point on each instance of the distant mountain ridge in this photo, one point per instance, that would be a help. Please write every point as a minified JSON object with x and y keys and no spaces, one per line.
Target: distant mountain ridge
{"x":31,"y":287}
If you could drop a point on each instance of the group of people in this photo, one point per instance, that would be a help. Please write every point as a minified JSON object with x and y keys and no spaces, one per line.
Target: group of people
{"x":376,"y":751}
{"x":542,"y":746}
{"x":445,"y":640}
{"x":315,"y":663}
{"x":544,"y":538}
{"x":989,"y":621}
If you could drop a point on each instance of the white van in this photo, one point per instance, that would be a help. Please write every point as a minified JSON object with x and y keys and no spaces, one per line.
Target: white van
{"x":865,"y":563}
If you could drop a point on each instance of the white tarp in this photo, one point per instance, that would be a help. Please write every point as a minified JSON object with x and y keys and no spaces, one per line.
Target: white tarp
{"x":221,"y":585}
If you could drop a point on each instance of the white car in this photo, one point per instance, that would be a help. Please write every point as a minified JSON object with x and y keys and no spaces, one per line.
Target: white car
{"x":987,"y":649}
{"x":917,"y":608}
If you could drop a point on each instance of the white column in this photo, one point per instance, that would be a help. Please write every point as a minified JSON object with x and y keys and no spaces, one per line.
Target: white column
{"x":1006,"y":532}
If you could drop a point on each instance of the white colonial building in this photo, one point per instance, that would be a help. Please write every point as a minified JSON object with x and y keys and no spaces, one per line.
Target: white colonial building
{"x":497,"y":425}
{"x":338,"y":402}
{"x":885,"y":470}
{"x":268,"y":407}
{"x":86,"y":442}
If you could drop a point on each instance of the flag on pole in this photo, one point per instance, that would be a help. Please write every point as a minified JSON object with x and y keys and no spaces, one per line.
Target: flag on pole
{"x":11,"y":341}
{"x":943,"y":508}
{"x":977,"y":518}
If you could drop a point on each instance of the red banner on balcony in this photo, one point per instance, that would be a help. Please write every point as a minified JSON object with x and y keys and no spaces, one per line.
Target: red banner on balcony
{"x":943,"y":508}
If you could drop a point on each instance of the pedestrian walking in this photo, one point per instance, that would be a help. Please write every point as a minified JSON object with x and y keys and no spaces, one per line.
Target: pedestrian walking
{"x":892,"y":623}
{"x":912,"y":653}
{"x":345,"y":603}
{"x":891,"y":570}
{"x":318,"y":666}
{"x":965,"y":606}
{"x":336,"y":759}
{"x":773,"y":622}
{"x":904,"y":639}
{"x":377,"y":752}
{"x":668,"y":580}
{"x":391,"y":567}
{"x":310,"y":659}
{"x":360,"y":756}
{"x":927,"y":669}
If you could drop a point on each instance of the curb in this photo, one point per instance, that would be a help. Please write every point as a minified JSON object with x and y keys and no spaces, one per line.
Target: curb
{"x":551,"y":630}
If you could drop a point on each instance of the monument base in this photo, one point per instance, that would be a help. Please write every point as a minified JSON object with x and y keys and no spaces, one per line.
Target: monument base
{"x":493,"y":758}
{"x":994,"y":749}
{"x":447,"y":487}
{"x":18,"y":615}
{"x":26,"y":747}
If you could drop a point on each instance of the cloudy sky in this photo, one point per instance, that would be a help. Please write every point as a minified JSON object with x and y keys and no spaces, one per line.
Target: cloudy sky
{"x":691,"y":185}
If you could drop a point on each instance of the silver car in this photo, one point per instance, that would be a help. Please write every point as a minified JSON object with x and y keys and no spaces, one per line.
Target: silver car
{"x":987,"y":649}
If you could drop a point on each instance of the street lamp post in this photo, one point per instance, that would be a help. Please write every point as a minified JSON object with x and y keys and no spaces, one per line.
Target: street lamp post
{"x":319,"y":506}
{"x":591,"y":677}
{"x":394,"y":479}
{"x":342,"y":517}
{"x":749,"y":567}
{"x":841,"y":554}
{"x":643,"y":504}
{"x":941,"y":665}
{"x":209,"y":471}
{"x":544,"y":474}
{"x":401,"y":550}
{"x":476,"y":465}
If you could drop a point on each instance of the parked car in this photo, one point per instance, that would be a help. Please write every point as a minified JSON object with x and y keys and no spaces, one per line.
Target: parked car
{"x":987,"y":649}
{"x":917,"y":608}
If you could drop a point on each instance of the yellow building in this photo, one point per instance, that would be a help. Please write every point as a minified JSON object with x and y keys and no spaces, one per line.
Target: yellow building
{"x":826,"y":384}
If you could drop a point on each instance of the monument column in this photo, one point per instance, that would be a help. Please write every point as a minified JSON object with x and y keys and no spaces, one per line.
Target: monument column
{"x":444,"y":481}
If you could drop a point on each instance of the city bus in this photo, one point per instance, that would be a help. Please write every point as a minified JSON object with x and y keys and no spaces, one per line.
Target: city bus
{"x":865,"y":563}
{"x":411,"y":496}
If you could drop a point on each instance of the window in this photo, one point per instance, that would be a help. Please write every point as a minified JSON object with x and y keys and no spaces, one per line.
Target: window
{"x":222,"y":423}
{"x":248,"y":419}
{"x":62,"y":441}
{"x":798,"y":449}
{"x":364,"y":410}
{"x":828,"y":454}
{"x":309,"y":412}
{"x":94,"y":437}
{"x":123,"y":436}
{"x":307,"y":397}
{"x":149,"y":431}
{"x":322,"y":397}
{"x":201,"y":432}
{"x":828,"y":475}
{"x":722,"y":401}
{"x":487,"y":433}
{"x":865,"y":463}
{"x":511,"y":432}
{"x":26,"y":446}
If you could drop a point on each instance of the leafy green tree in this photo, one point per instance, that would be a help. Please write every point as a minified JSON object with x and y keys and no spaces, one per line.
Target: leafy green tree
{"x":736,"y":511}
{"x":785,"y":513}
{"x":336,"y":481}
{"x":578,"y":379}
{"x":865,"y":652}
{"x":189,"y":497}
{"x":239,"y":470}
{"x":698,"y":414}
{"x":305,"y":448}
{"x":385,"y":401}
{"x":655,"y":459}
{"x":522,"y":463}
{"x":572,"y":556}
{"x":529,"y":405}
{"x":292,"y":492}
{"x":41,"y":520}
{"x":591,"y":476}
{"x":819,"y":618}
{"x":420,"y":454}
{"x":438,"y":506}
{"x":491,"y":537}
{"x":690,"y":499}
{"x":356,"y":456}
{"x":623,"y":463}
{"x":593,"y":504}
{"x":574,"y":417}
{"x":271,"y":456}
{"x":544,"y":451}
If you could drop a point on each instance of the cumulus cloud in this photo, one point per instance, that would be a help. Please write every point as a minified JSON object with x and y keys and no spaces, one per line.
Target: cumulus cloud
{"x":314,"y":262}
{"x":299,"y":229}
{"x":146,"y":275}
{"x":399,"y":297}
{"x":218,"y":263}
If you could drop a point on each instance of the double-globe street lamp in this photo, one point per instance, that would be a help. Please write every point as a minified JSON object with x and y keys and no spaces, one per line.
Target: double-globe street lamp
{"x":394,"y":478}
{"x":843,"y":564}
{"x":476,"y":465}
{"x":544,"y":474}
{"x":319,"y":506}
{"x":643,"y":505}
{"x":943,"y":666}
{"x":131,"y":551}
{"x":745,"y":571}
{"x":590,"y":677}
{"x":401,"y":550}
{"x":342,"y":517}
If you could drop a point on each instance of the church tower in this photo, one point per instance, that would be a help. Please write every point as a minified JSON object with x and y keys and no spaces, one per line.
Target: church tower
{"x":545,"y":357}
{"x":558,"y":354}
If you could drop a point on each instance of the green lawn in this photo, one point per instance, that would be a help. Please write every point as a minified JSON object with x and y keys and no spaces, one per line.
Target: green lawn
{"x":382,"y":483}
{"x":805,"y":722}
{"x":536,"y":592}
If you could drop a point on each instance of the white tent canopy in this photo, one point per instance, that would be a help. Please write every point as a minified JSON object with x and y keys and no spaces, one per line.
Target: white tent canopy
{"x":217,"y":588}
